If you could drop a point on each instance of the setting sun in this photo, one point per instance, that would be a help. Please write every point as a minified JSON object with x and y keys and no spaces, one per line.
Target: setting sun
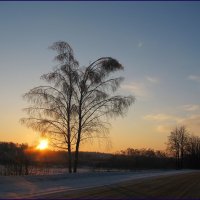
{"x":43,"y":144}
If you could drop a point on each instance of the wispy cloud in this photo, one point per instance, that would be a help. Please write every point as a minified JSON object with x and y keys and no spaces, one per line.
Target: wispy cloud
{"x":152,"y":79}
{"x":162,"y":117}
{"x":165,"y":122}
{"x":192,"y":123}
{"x":164,"y":128}
{"x":194,"y":78}
{"x":140,"y":44}
{"x":142,"y":88}
{"x":137,"y":88}
{"x":191,"y":107}
{"x":165,"y":125}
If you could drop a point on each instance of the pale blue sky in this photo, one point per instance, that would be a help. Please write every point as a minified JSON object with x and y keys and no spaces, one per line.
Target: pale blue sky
{"x":157,"y":42}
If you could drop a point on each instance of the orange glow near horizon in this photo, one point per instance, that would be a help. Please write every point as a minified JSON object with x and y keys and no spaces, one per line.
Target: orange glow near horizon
{"x":43,"y":144}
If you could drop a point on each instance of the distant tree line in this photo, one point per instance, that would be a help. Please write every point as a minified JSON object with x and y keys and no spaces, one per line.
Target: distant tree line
{"x":183,"y":151}
{"x":19,"y":159}
{"x":135,"y":159}
{"x":13,"y":159}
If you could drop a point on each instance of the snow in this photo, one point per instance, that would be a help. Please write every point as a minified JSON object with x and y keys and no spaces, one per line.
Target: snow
{"x":36,"y":186}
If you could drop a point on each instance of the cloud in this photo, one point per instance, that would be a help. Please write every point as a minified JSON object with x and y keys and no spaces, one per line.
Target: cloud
{"x":194,"y":78}
{"x":191,"y":107}
{"x":137,"y":88}
{"x":152,"y":79}
{"x":157,"y":117}
{"x":141,"y":89}
{"x":164,"y":128}
{"x":160,"y":117}
{"x":192,"y":123}
{"x":164,"y":122}
{"x":140,"y":44}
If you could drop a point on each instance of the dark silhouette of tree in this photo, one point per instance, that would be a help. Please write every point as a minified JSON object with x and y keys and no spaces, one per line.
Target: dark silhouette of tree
{"x":77,"y":103}
{"x":177,"y":144}
{"x":193,"y":152}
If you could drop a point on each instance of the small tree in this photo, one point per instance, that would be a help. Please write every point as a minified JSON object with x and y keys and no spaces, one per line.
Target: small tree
{"x":193,"y":151}
{"x":177,"y":144}
{"x":76,"y":104}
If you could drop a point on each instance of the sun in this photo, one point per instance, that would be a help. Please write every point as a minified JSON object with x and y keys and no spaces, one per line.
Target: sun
{"x":43,"y":144}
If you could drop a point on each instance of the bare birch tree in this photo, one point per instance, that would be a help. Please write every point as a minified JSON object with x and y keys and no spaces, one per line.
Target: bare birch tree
{"x":77,"y":102}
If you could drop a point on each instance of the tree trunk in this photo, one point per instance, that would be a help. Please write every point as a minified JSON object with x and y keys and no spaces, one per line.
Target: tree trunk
{"x":177,"y":160}
{"x":79,"y":136}
{"x":181,"y":165}
{"x":26,"y":168}
{"x":77,"y":146}
{"x":69,"y":158}
{"x":69,"y":133}
{"x":76,"y":155}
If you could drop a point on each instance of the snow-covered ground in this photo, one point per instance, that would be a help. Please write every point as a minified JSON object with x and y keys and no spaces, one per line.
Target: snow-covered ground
{"x":36,"y":186}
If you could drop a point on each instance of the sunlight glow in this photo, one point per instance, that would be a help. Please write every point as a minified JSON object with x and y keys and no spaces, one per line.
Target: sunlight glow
{"x":43,"y":144}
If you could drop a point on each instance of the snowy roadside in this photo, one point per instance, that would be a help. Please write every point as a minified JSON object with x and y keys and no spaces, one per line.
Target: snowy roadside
{"x":36,"y":186}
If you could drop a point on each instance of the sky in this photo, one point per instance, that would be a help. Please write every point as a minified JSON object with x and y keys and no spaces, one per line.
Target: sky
{"x":157,"y":43}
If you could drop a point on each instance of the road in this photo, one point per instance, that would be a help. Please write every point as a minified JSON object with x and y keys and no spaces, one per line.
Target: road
{"x":48,"y":186}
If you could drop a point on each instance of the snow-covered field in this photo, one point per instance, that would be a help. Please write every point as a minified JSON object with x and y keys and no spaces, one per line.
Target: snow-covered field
{"x":36,"y":186}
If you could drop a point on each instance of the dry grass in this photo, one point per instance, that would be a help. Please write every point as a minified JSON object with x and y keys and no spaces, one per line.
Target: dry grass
{"x":176,"y":186}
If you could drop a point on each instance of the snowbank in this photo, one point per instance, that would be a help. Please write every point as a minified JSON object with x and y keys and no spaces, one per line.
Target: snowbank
{"x":35,"y":186}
